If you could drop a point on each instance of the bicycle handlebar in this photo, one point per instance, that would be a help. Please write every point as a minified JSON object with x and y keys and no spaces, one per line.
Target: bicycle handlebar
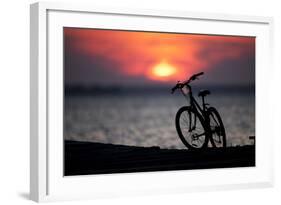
{"x":194,"y":77}
{"x":174,"y":88}
{"x":180,"y":85}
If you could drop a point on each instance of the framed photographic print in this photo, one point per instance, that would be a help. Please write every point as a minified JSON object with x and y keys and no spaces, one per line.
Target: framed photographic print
{"x":127,"y":102}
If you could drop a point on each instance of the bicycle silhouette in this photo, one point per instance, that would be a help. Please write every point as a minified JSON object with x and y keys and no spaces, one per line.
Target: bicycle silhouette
{"x":196,"y":125}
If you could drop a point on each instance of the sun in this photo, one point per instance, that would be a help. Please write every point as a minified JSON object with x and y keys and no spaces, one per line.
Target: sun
{"x":162,"y":71}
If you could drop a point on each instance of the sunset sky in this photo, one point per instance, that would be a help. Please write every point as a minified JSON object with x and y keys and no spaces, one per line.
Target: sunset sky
{"x":113,"y":57}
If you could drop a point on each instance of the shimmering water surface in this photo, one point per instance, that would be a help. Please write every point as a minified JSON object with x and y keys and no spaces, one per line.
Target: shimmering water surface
{"x":148,"y":120}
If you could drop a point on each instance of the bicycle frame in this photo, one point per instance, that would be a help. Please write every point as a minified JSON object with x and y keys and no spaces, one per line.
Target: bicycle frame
{"x":194,"y":104}
{"x":196,"y":107}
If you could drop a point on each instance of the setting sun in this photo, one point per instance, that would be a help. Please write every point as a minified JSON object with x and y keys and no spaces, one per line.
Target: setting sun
{"x":162,"y":71}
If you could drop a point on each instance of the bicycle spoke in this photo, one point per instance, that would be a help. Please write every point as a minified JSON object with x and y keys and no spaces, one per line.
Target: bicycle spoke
{"x":185,"y":118}
{"x":200,"y":139}
{"x":214,"y":119}
{"x":202,"y":134}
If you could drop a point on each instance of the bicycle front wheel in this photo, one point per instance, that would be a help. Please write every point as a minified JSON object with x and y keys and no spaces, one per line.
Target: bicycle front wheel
{"x":191,"y":128}
{"x":218,"y":137}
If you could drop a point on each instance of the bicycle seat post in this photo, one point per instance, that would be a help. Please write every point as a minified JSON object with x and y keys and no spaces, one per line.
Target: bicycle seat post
{"x":202,"y":94}
{"x":203,"y":103}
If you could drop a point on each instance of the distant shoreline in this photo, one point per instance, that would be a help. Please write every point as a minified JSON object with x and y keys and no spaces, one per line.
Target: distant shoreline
{"x":114,"y":90}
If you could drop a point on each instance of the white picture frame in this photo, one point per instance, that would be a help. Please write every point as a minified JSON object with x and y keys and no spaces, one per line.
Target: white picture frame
{"x":47,"y":182}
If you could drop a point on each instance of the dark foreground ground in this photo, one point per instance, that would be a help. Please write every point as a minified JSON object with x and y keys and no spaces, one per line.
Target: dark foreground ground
{"x":96,"y":158}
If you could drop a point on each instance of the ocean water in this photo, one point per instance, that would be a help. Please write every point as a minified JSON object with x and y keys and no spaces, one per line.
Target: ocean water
{"x":149,"y":120}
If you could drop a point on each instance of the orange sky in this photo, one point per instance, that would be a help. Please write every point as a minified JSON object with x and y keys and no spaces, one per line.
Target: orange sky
{"x":162,"y":57}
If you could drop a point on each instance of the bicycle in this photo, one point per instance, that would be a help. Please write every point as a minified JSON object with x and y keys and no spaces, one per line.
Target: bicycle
{"x":196,"y":125}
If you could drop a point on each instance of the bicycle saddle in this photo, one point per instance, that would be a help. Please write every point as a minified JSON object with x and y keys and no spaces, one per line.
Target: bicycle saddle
{"x":203,"y":93}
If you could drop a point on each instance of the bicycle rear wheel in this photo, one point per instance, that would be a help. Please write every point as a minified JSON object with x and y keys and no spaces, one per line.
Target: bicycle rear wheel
{"x":218,"y":137}
{"x":191,"y":128}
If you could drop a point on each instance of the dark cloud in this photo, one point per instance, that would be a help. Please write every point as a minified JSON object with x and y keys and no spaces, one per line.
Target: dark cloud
{"x":232,"y":72}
